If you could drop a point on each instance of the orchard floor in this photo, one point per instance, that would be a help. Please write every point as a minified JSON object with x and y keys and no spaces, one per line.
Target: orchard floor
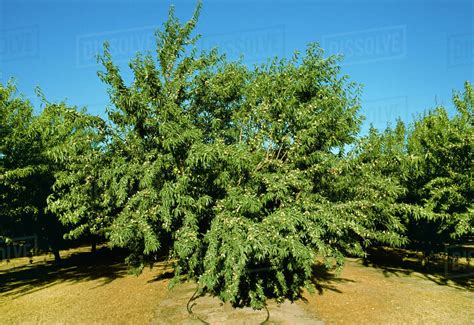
{"x":96,"y":289}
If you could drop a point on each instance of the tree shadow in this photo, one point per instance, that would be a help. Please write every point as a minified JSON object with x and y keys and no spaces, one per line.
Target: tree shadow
{"x":104,"y":264}
{"x":325,"y":279}
{"x":399,"y":262}
{"x":165,"y":275}
{"x":167,"y":272}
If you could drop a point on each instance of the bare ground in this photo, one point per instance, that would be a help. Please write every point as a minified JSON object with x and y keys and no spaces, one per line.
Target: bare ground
{"x":361,"y":295}
{"x":209,"y":310}
{"x":98,"y":290}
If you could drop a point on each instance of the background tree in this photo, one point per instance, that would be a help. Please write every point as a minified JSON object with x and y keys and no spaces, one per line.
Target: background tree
{"x":27,"y":175}
{"x":15,"y":170}
{"x":368,"y":183}
{"x":431,"y":164}
{"x":76,"y":144}
{"x":440,"y":178}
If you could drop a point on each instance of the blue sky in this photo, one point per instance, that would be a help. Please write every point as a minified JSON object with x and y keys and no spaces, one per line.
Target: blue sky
{"x":409,"y":55}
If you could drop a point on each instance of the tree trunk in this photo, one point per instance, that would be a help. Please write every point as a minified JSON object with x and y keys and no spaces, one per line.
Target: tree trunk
{"x":57,"y":257}
{"x":94,"y":246}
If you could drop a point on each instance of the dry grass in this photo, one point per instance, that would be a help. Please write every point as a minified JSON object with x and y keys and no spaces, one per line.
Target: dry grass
{"x":95,"y":292}
{"x":369,"y":295}
{"x":88,"y":289}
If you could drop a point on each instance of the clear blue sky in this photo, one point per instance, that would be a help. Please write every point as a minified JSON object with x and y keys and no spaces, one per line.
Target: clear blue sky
{"x":409,"y":55}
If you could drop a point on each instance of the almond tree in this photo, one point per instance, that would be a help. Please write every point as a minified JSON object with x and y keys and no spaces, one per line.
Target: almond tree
{"x":26,"y":172}
{"x":230,"y":170}
{"x":440,"y":178}
{"x":431,"y":164}
{"x":76,"y":143}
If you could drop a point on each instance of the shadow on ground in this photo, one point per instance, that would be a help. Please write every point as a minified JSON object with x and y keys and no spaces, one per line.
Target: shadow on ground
{"x":397,"y":262}
{"x":104,"y":264}
{"x":182,"y":306}
{"x":324,"y":279}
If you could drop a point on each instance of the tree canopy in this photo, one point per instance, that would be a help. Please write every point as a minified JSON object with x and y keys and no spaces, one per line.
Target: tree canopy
{"x":440,"y":179}
{"x":231,"y":170}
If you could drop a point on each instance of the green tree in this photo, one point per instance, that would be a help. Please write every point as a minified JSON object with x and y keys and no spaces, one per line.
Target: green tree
{"x":440,"y":179}
{"x":369,"y":181}
{"x":431,"y":164}
{"x":26,"y":173}
{"x":76,"y":143}
{"x":16,"y":116}
{"x":232,"y":171}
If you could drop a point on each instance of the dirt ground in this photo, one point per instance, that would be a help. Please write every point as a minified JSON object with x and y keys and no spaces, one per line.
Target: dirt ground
{"x":206,"y":309}
{"x":80,"y":291}
{"x":361,"y":295}
{"x":86,"y":290}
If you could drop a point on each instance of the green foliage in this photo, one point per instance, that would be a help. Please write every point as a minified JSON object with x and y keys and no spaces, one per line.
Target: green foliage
{"x":15,"y":162}
{"x":440,"y":179}
{"x":233,"y":171}
{"x":77,"y":146}
{"x":237,"y":174}
{"x":431,"y":164}
{"x":26,"y":173}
